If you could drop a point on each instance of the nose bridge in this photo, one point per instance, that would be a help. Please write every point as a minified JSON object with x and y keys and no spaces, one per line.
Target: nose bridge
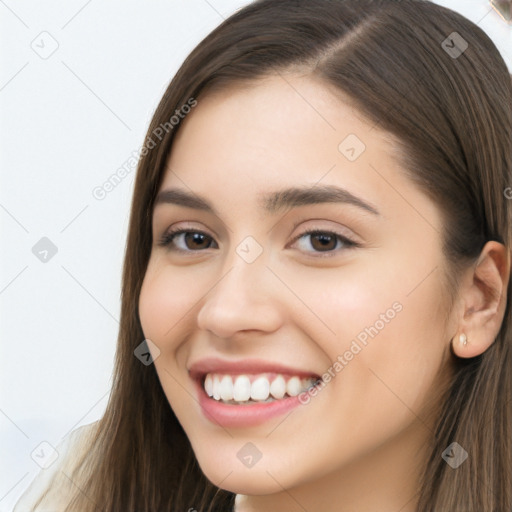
{"x":246,"y":261}
{"x":239,"y":298}
{"x":243,"y":273}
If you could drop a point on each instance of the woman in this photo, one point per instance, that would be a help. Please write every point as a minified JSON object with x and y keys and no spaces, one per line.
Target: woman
{"x":341,"y":341}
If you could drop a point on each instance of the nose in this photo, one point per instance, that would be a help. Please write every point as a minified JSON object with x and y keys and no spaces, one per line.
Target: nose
{"x":242,"y":298}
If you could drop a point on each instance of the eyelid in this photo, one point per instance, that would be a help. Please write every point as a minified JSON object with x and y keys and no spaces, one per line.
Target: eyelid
{"x":163,"y":225}
{"x":337,"y":227}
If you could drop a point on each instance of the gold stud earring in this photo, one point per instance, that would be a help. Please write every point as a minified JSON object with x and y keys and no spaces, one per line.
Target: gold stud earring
{"x":463,"y":339}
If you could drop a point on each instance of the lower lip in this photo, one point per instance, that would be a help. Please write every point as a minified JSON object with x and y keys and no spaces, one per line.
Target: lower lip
{"x":229,"y":415}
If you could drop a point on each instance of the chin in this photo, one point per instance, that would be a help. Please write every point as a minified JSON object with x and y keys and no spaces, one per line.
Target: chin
{"x":245,"y":482}
{"x":230,"y":474}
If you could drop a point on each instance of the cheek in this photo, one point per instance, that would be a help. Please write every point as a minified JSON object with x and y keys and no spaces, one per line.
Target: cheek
{"x":165,"y":299}
{"x":387,"y":324}
{"x":163,"y":305}
{"x":154,"y":307}
{"x":341,"y":302}
{"x":398,"y":298}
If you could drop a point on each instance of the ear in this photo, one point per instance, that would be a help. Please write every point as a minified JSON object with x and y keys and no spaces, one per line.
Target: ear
{"x":483,"y":300}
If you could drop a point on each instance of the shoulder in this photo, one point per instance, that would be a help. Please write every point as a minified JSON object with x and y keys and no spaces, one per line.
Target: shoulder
{"x":52,"y":484}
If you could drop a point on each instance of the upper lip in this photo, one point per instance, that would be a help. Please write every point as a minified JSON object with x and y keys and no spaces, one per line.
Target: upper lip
{"x":200,"y":368}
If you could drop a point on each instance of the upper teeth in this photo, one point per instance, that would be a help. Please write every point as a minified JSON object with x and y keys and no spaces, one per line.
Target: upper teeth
{"x":242,"y":388}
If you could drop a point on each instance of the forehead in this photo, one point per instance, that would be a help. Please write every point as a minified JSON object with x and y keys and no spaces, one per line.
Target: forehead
{"x":240,"y":144}
{"x":279,"y":127}
{"x":278,"y":109}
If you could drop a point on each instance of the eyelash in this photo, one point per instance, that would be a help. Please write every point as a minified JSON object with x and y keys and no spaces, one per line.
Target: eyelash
{"x":169,"y":236}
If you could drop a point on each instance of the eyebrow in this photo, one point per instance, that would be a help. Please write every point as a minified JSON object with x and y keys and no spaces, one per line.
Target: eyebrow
{"x":272,"y":202}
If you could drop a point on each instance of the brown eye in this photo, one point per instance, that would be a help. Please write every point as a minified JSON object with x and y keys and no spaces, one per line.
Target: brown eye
{"x":325,"y":241}
{"x":192,"y":241}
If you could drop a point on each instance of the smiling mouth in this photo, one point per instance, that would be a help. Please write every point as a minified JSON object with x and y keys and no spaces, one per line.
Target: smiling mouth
{"x":247,"y":389}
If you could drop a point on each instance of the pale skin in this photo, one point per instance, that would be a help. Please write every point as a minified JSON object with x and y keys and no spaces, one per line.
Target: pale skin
{"x":359,"y":443}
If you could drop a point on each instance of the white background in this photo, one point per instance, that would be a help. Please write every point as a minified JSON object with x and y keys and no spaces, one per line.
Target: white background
{"x":68,"y":122}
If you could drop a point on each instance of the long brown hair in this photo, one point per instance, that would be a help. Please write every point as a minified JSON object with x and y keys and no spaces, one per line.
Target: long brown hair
{"x":452,"y":116}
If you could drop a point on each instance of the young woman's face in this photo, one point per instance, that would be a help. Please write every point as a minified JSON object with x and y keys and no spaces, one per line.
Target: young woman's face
{"x":247,"y":303}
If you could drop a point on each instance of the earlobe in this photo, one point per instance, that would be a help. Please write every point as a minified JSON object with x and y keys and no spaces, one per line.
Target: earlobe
{"x":484,"y":300}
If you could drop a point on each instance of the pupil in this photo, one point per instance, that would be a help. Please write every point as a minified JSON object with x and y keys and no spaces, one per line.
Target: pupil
{"x":324,"y":239}
{"x":196,"y":237}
